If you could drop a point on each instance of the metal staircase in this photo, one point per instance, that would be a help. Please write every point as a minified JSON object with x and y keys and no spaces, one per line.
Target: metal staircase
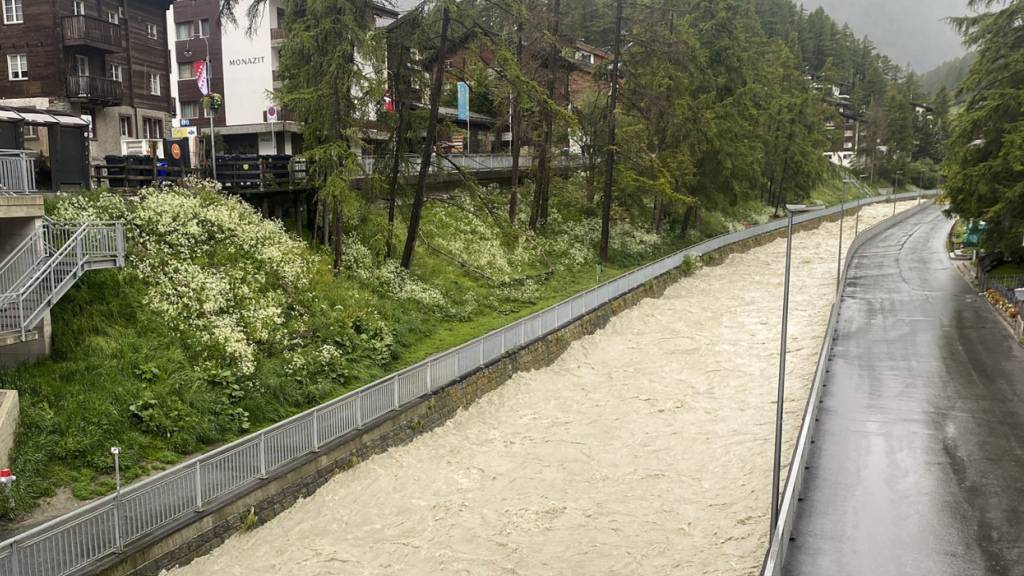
{"x":46,"y":264}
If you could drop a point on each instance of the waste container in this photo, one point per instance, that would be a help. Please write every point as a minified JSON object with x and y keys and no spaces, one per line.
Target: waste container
{"x":115,"y":167}
{"x":141,"y":167}
{"x":248,"y":170}
{"x":278,"y":164}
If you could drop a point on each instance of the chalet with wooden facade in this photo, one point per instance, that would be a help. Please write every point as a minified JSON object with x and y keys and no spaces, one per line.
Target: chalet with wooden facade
{"x":103,"y":60}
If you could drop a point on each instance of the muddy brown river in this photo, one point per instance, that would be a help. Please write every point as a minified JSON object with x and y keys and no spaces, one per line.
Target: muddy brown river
{"x":645,"y":449}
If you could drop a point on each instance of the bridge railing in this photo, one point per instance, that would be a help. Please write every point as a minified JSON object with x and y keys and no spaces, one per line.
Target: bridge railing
{"x":274,"y":173}
{"x":165,"y":501}
{"x":17,"y":172}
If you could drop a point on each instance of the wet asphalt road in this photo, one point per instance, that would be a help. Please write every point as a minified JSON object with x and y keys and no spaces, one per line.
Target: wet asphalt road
{"x":918,"y":462}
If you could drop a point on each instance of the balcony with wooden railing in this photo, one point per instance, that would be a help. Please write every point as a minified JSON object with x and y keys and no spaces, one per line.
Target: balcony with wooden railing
{"x":94,"y":89}
{"x":277,"y":36}
{"x":82,"y":30}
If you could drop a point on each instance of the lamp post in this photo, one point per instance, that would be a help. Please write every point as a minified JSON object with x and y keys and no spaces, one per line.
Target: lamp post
{"x":116,"y":451}
{"x":839,"y":258}
{"x":791,"y":210}
{"x":214,"y":104}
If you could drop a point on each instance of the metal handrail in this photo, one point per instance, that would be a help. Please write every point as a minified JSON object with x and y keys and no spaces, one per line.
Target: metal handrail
{"x":20,"y":263}
{"x":22,"y":308}
{"x":159,"y":502}
{"x":17,"y":173}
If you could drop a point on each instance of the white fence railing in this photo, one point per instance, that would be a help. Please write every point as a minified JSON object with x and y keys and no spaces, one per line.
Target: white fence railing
{"x":17,"y":172}
{"x":73,"y":542}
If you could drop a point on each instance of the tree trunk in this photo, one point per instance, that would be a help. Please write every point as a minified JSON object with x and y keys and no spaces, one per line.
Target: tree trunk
{"x":337,"y":239}
{"x":606,"y":204}
{"x":687,"y":217}
{"x":396,"y":167}
{"x":326,"y":214}
{"x":316,"y":223}
{"x":516,"y":128}
{"x":428,"y":147}
{"x":539,"y":210}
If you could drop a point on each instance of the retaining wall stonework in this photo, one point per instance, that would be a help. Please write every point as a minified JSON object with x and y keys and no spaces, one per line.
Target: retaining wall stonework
{"x":180,"y":544}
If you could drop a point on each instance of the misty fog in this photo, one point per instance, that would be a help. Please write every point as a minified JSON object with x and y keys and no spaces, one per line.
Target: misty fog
{"x":908,"y":31}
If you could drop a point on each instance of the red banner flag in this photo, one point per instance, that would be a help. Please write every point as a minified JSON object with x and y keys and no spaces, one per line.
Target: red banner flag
{"x":202,"y":79}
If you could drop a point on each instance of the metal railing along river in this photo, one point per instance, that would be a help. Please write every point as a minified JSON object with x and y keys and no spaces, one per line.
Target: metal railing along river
{"x":73,"y":542}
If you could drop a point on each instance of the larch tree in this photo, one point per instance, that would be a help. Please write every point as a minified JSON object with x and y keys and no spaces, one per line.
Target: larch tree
{"x":985,"y":153}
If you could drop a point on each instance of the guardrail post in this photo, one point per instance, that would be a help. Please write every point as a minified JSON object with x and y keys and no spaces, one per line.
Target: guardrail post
{"x":481,"y":352}
{"x":21,"y":317}
{"x":263,"y":455}
{"x":199,"y":489}
{"x":359,"y":410}
{"x":430,"y":384}
{"x":119,"y":242}
{"x":79,"y":255}
{"x":316,"y":432}
{"x":397,"y":397}
{"x":14,"y":559}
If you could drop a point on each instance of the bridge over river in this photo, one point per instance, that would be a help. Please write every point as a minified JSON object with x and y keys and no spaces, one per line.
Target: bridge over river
{"x":645,"y":449}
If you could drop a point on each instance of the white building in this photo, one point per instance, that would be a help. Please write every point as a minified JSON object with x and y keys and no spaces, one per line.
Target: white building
{"x":244,"y":71}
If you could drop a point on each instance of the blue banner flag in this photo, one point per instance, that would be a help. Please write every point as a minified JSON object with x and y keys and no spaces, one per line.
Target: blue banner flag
{"x":463,"y":101}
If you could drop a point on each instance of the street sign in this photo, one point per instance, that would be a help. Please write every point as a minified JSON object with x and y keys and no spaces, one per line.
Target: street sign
{"x":185,"y":122}
{"x":272,"y":113}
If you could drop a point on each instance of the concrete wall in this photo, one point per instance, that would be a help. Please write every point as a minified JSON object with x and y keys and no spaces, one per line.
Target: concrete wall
{"x":8,"y":424}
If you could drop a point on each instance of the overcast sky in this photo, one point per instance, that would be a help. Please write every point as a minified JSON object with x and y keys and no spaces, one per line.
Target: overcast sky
{"x":906,"y":30}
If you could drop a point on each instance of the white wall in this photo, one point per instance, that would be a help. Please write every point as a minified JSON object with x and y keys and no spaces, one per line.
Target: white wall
{"x":171,"y":41}
{"x":247,"y":67}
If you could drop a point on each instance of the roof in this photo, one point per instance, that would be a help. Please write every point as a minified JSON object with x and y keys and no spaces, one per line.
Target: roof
{"x":382,"y":10}
{"x":453,"y":114}
{"x":580,"y":44}
{"x":38,"y":117}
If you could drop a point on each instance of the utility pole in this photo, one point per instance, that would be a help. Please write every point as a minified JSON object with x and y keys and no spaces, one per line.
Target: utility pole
{"x":606,"y":204}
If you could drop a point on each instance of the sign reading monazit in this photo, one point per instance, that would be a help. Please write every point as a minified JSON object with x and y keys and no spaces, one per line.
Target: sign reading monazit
{"x":246,"y":61}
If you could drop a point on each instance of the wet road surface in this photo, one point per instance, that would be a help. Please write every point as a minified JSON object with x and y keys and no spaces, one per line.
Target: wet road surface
{"x":918,"y":461}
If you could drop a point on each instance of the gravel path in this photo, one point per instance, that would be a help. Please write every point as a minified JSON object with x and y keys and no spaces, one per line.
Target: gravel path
{"x":645,"y":449}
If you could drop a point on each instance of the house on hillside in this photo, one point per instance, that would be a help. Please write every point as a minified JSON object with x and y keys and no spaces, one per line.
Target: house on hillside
{"x":469,"y":56}
{"x":104,"y":61}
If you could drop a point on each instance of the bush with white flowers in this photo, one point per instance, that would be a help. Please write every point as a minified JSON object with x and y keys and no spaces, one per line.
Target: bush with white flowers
{"x":214,"y":269}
